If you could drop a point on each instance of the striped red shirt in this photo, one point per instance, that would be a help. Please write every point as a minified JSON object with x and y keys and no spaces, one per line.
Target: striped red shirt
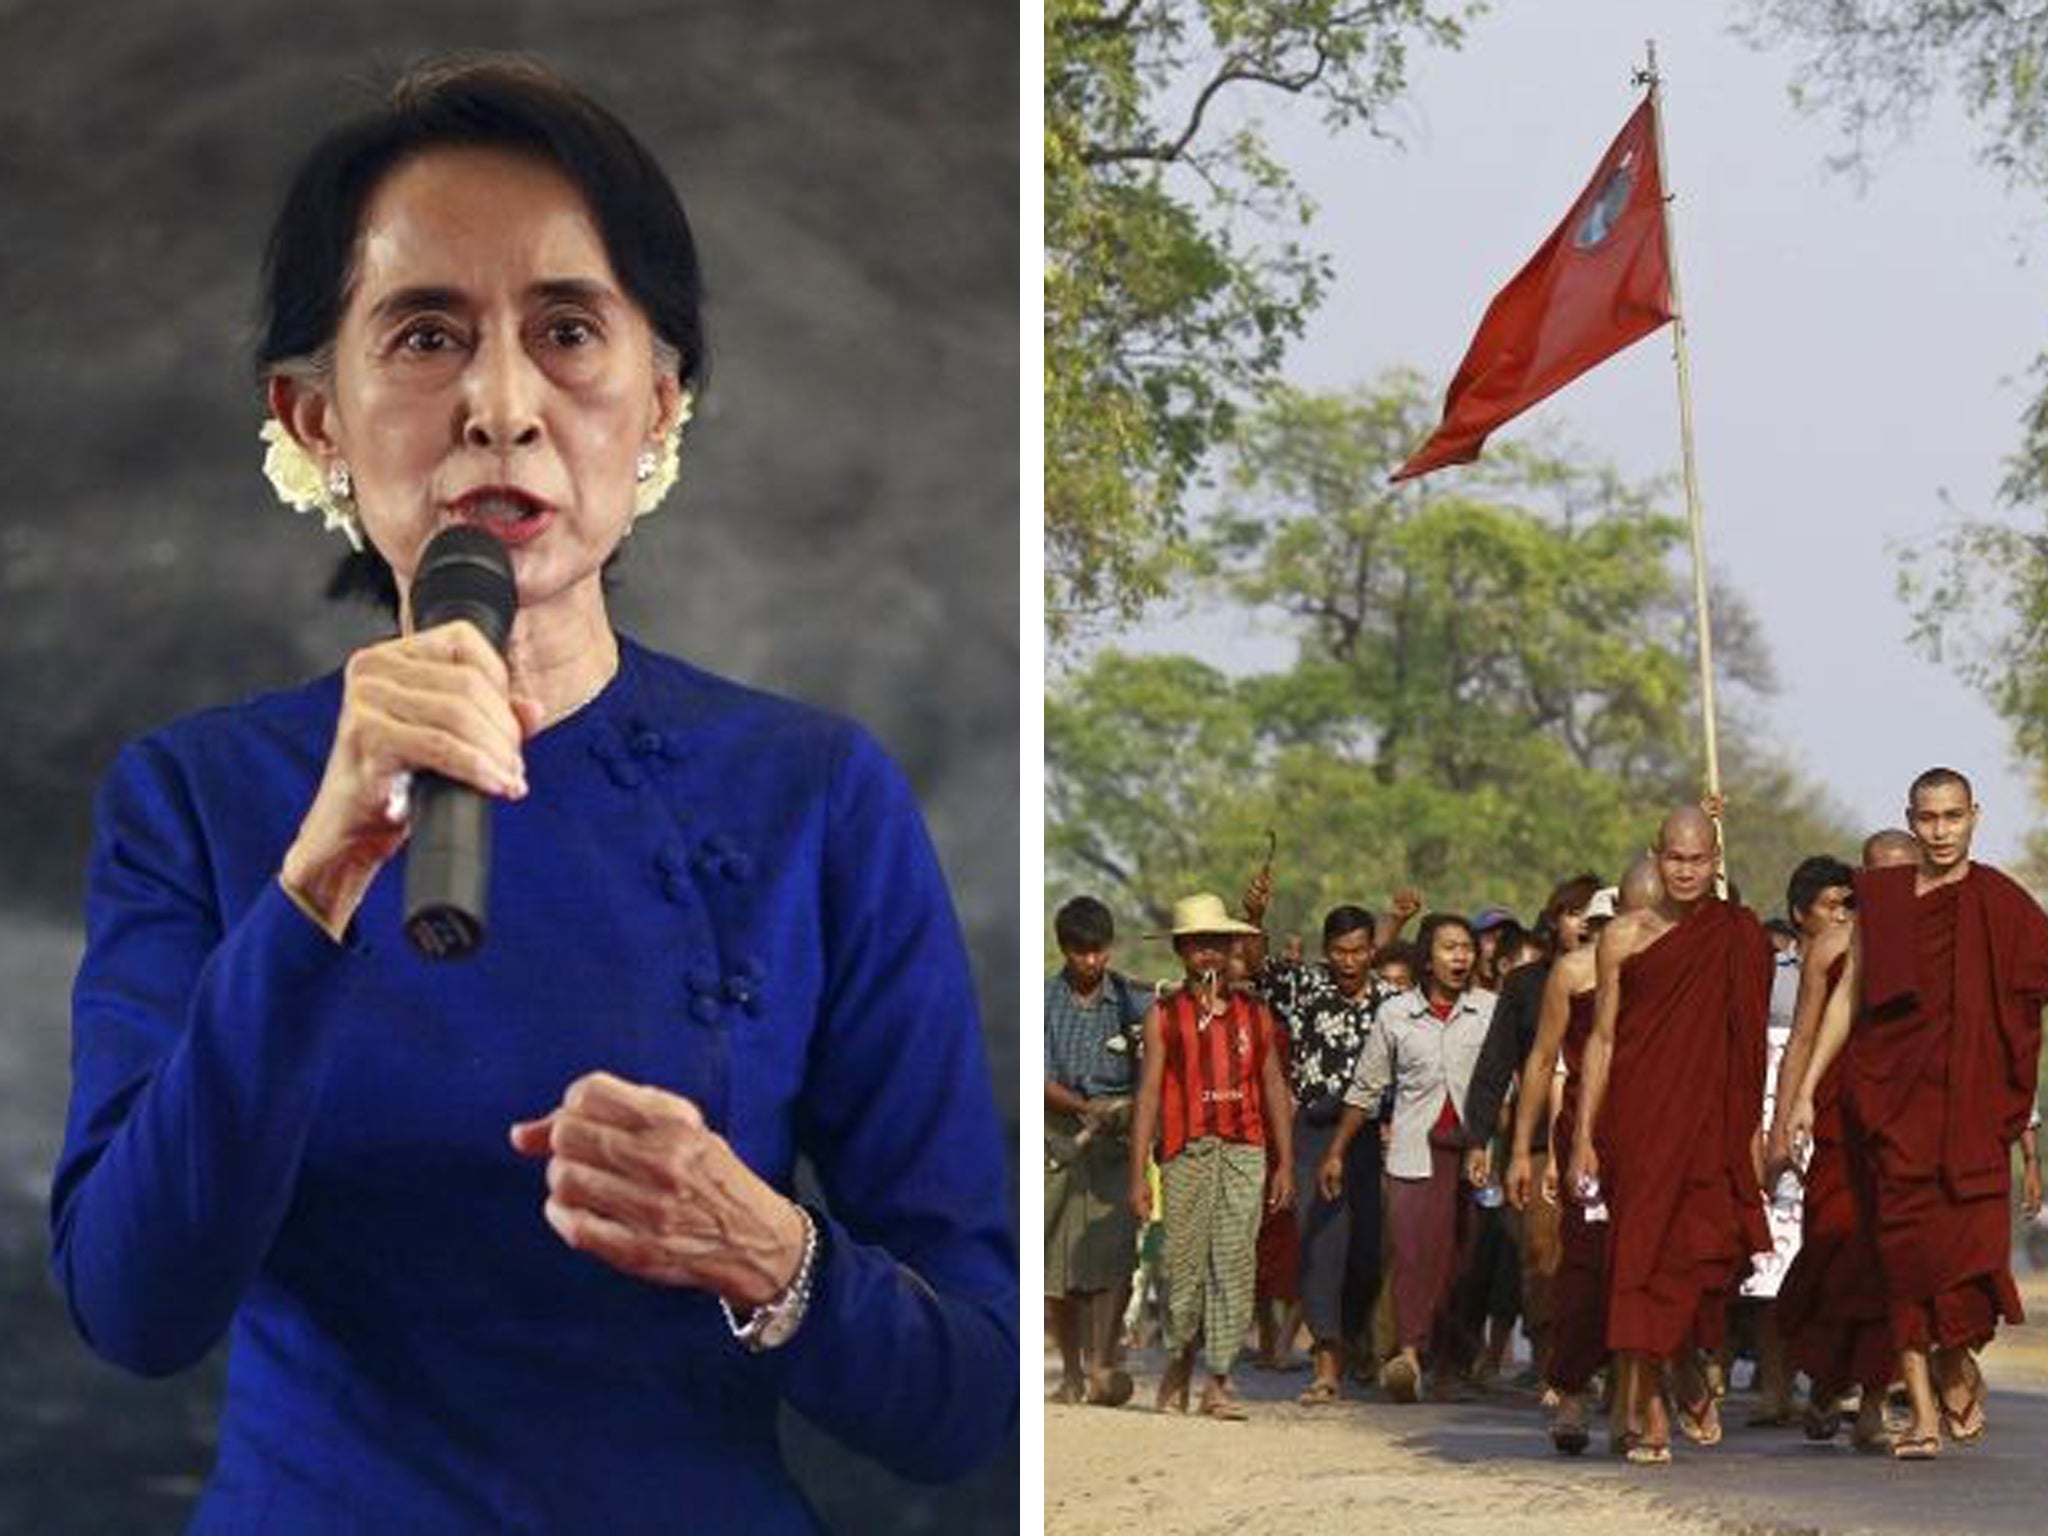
{"x":1214,"y":1074}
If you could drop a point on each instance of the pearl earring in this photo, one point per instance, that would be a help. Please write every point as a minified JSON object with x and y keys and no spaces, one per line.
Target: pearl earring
{"x":645,"y":466}
{"x":339,"y":485}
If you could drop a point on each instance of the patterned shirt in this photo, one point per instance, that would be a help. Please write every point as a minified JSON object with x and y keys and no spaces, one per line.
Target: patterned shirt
{"x":1325,"y":1029}
{"x":1078,"y":1052}
{"x":1213,"y":1078}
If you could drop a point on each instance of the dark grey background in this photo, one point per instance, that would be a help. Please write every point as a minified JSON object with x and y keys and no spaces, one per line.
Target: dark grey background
{"x":845,"y":530}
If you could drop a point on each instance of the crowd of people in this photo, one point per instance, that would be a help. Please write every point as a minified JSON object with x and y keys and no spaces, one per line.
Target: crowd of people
{"x":1648,"y":1126}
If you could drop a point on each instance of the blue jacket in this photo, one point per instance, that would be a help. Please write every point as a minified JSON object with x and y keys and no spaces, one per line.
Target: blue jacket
{"x":301,"y":1145}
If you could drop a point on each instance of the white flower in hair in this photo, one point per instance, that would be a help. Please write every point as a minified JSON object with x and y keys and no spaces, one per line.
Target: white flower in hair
{"x":295,"y":477}
{"x":648,"y":494}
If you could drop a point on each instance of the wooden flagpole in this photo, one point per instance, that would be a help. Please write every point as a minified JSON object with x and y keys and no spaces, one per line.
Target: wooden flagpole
{"x":1649,"y":76}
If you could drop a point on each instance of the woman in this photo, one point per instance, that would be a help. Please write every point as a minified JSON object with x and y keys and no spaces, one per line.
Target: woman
{"x":510,"y":1243}
{"x":1426,"y":1045}
{"x":1578,"y":1304}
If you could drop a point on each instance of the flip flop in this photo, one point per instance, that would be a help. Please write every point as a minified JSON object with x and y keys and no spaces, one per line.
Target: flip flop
{"x":1320,"y":1394}
{"x":1966,"y":1428}
{"x":1067,"y":1393}
{"x":1968,"y":1425}
{"x":1916,"y":1448}
{"x":1701,"y":1424}
{"x":1643,"y":1454}
{"x":1221,"y":1406}
{"x":1397,"y":1379}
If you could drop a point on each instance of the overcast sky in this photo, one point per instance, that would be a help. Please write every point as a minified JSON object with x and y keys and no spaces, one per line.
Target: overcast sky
{"x":1858,"y":354}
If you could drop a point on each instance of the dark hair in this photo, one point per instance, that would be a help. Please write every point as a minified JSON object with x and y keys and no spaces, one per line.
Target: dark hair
{"x":1934,"y":778}
{"x":1083,"y":924}
{"x":1814,"y":875}
{"x":1400,"y":952}
{"x":1507,"y":934}
{"x":495,"y":101}
{"x":1339,"y":921}
{"x":1783,"y":929}
{"x":1425,"y":939}
{"x":1571,"y":895}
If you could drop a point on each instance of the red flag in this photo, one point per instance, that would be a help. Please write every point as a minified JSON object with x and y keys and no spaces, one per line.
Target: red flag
{"x":1601,"y":281}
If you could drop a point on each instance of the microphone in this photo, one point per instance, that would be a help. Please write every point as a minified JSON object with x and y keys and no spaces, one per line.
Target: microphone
{"x":464,"y":573}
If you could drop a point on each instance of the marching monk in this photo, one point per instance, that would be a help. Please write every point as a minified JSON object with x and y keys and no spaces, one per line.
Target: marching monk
{"x":1578,"y":1299}
{"x":1946,"y":974}
{"x":1831,"y":1307}
{"x":1678,"y":1029}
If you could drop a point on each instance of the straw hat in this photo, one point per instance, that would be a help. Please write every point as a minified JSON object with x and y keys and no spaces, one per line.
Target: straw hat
{"x":1202,"y":914}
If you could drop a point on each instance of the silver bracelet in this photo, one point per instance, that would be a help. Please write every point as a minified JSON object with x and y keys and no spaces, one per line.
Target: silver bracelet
{"x":775,"y":1321}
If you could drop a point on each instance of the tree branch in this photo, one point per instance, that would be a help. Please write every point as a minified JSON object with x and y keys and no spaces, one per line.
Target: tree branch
{"x":1236,"y":70}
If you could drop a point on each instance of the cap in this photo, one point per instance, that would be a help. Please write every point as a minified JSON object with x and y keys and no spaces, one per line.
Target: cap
{"x":1490,"y":917}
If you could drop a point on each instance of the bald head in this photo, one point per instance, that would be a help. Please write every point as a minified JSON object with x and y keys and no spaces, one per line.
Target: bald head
{"x":1690,"y":828}
{"x":1640,"y":885}
{"x":1688,"y":852}
{"x":1892,"y":846}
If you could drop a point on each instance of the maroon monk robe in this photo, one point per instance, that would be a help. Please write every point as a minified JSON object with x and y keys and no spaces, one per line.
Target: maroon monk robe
{"x":1831,"y":1308}
{"x":1578,"y":1293}
{"x":1684,"y":1101}
{"x":1939,"y":1074}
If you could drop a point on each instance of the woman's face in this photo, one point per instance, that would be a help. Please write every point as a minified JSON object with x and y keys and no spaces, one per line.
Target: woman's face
{"x":489,"y":368}
{"x":1570,"y":927}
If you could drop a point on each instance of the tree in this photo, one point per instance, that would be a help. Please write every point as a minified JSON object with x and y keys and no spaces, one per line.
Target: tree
{"x":1980,"y":596}
{"x":1160,"y":319}
{"x":1494,"y":688}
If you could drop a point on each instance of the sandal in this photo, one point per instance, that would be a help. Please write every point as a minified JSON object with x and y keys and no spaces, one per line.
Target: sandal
{"x":1644,"y":1454}
{"x":1221,"y":1405}
{"x":1320,"y":1394}
{"x":1916,"y":1448}
{"x":1700,"y":1424}
{"x":1397,"y":1379}
{"x":1968,"y":1425}
{"x":1070,"y":1391}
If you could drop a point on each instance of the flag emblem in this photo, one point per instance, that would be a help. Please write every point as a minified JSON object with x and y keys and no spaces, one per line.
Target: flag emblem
{"x":1601,"y":218}
{"x":1601,"y":281}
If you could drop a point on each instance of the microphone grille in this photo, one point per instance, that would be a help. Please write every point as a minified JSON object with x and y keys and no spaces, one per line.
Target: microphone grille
{"x":464,"y":573}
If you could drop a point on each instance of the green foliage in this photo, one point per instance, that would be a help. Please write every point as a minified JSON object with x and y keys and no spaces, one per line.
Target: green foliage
{"x":1159,"y":319}
{"x":1494,"y":689}
{"x":1874,"y":65}
{"x":1979,"y":595}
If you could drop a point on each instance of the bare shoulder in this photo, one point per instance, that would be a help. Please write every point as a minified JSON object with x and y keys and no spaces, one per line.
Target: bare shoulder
{"x":1629,"y":932}
{"x":1824,"y":951}
{"x":1577,"y":970}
